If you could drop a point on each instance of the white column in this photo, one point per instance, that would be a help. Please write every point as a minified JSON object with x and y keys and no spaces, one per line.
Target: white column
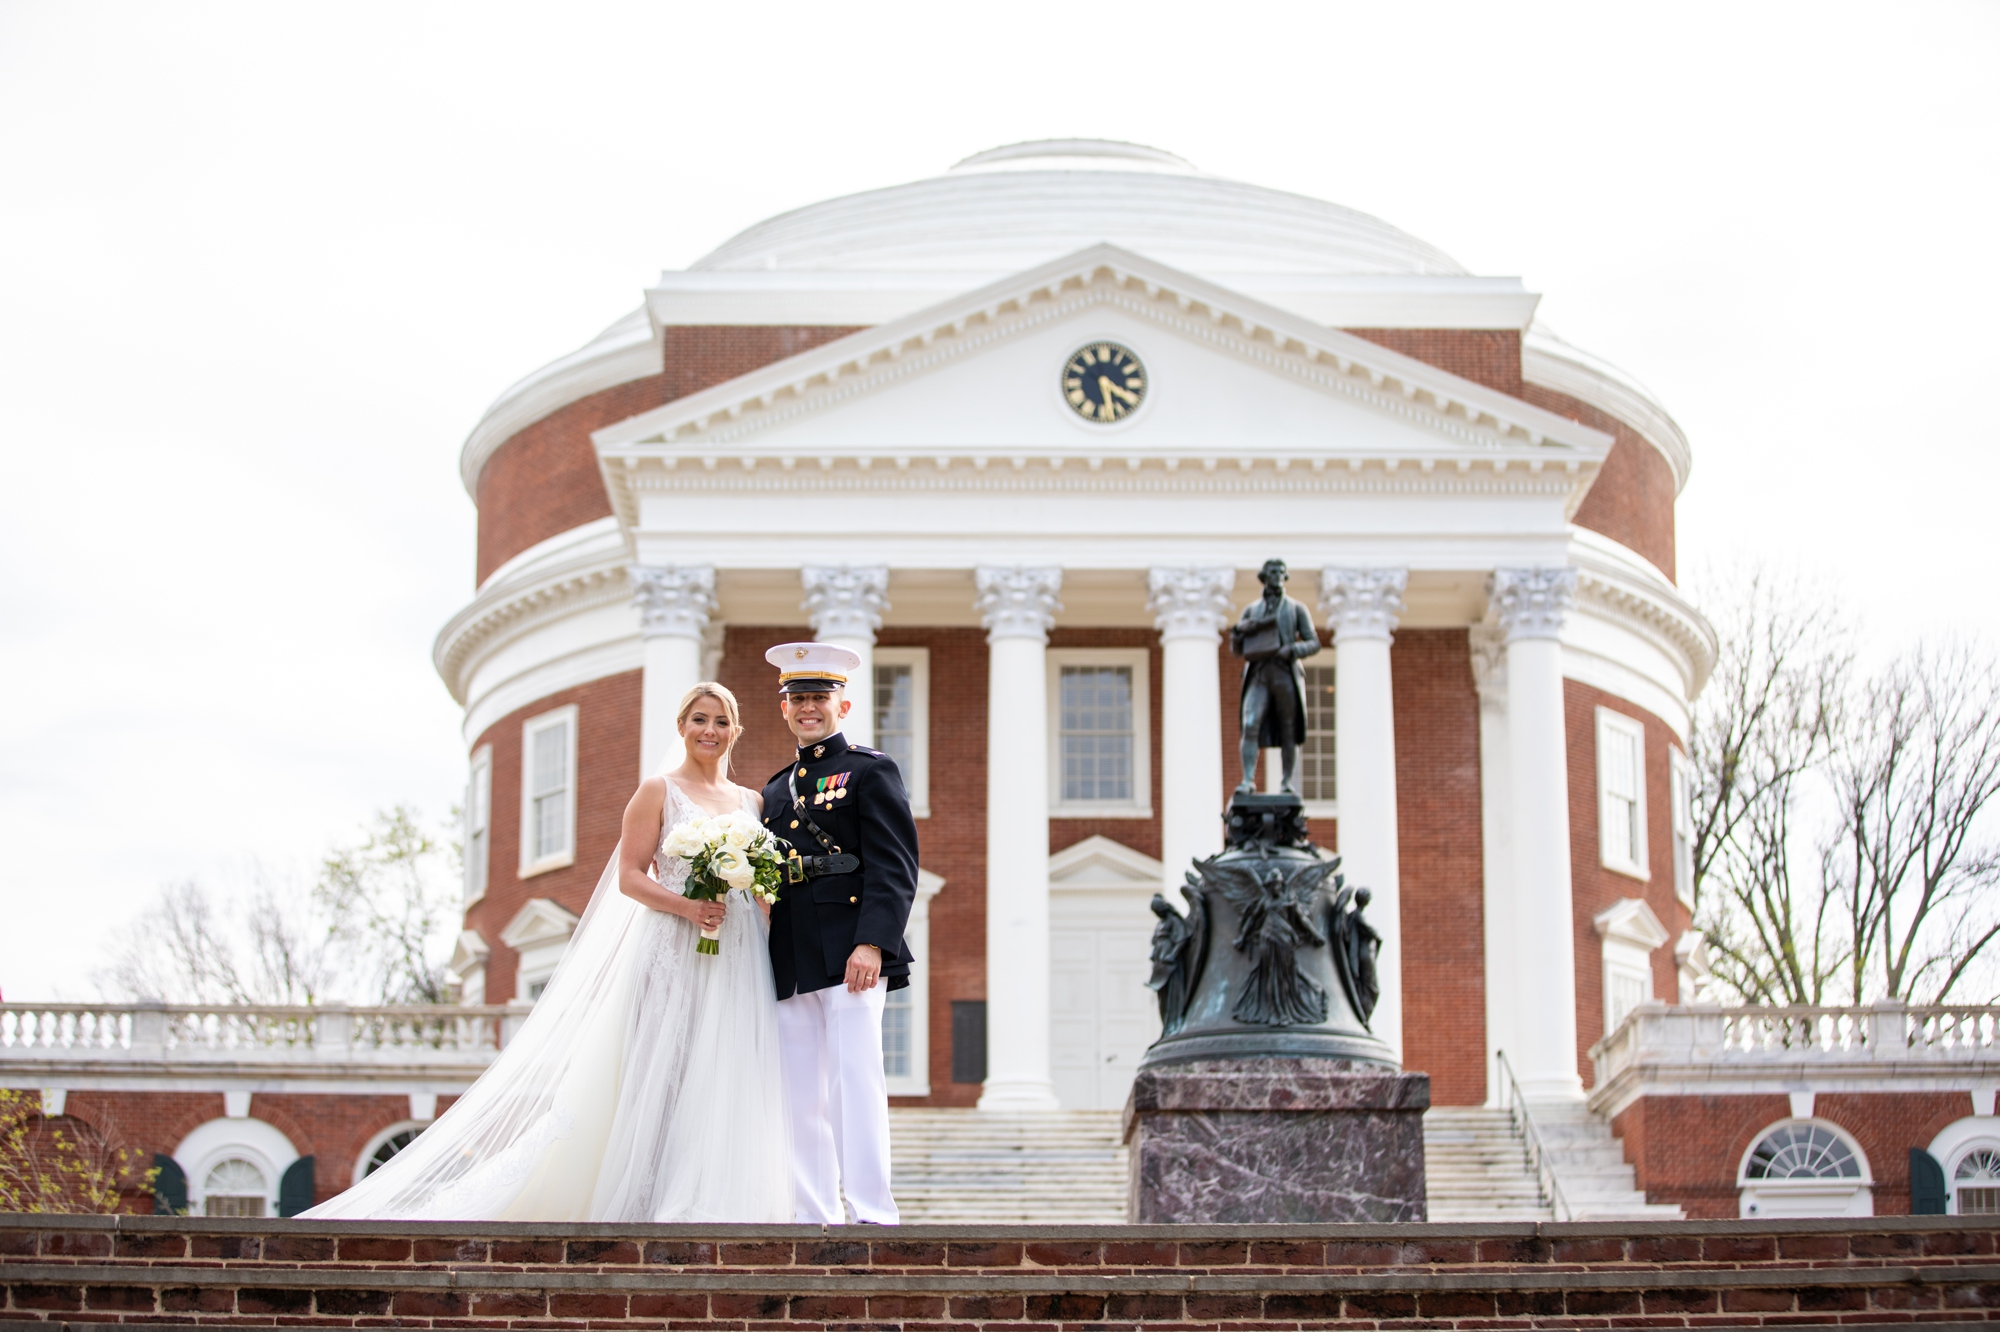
{"x":1018,"y":608}
{"x":675,"y":602}
{"x":1361,"y":607}
{"x":844,"y":605}
{"x":1191,"y":608}
{"x":1531,"y":604}
{"x":1489,"y":677}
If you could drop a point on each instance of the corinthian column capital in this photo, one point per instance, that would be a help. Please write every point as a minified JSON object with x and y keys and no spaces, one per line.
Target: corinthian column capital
{"x":1019,"y":602}
{"x":845,"y":602}
{"x":1532,"y":603}
{"x":1362,"y":603}
{"x":674,"y":600}
{"x":1190,"y":603}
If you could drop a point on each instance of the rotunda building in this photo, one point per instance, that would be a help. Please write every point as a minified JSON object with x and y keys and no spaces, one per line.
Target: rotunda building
{"x":1021,"y":435}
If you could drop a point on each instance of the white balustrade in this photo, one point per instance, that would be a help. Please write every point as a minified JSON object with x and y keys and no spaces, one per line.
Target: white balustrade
{"x":1800,"y":1038}
{"x":196,"y":1033}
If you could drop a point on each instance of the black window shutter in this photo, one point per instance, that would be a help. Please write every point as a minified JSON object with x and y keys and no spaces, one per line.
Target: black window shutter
{"x":968,"y":1040}
{"x":295,"y":1190}
{"x":1926,"y":1184}
{"x":170,"y":1186}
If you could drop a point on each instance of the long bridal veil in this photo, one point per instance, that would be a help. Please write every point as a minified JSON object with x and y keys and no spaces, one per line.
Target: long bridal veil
{"x":573,"y":1121}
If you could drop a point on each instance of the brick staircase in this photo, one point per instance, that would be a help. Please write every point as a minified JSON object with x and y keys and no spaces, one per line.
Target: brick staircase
{"x":1068,"y":1168}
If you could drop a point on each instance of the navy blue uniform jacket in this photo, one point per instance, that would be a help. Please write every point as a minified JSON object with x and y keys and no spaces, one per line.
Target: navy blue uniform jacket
{"x":816,"y":924}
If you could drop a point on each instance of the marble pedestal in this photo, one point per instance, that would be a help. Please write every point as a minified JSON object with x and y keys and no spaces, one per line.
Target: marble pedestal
{"x":1258,"y":1141}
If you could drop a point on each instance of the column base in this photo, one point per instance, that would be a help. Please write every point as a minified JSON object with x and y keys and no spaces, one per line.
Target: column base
{"x":1018,"y":1096}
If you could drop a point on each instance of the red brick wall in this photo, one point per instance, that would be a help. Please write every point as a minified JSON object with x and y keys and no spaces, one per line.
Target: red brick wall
{"x":331,"y":1127}
{"x":543,"y":480}
{"x":607,"y":773}
{"x":1489,"y":356}
{"x":1440,"y":850}
{"x":1632,"y":500}
{"x":1686,"y":1149}
{"x":1593,"y":887}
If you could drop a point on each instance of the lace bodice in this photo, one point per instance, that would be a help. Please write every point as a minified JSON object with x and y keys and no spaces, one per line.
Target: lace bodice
{"x":672,"y":871}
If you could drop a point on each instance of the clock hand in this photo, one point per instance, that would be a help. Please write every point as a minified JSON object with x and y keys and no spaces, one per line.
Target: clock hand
{"x":1131,"y":398}
{"x":1104,"y":391}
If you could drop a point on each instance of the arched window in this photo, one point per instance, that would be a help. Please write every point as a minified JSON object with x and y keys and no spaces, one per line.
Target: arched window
{"x":235,"y":1187}
{"x":1976,"y":1183}
{"x":394,"y":1143}
{"x":1805,"y":1167}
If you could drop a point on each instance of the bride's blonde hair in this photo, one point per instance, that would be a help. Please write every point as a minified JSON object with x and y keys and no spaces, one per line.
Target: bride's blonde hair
{"x":710,"y":689}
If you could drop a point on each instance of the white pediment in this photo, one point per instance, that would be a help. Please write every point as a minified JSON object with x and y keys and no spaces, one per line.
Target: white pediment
{"x":467,"y":955}
{"x":1631,"y":921}
{"x":1098,"y":863}
{"x":1237,"y":389}
{"x":538,"y":923}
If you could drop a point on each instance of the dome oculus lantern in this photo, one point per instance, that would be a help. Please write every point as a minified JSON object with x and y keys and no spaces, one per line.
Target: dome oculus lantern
{"x":1104,"y":382}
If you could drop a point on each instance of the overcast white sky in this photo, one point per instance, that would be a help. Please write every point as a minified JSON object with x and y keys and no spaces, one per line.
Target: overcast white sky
{"x":262,"y":267}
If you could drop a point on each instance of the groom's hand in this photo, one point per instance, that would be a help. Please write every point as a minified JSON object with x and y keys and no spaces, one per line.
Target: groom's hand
{"x":864,"y":967}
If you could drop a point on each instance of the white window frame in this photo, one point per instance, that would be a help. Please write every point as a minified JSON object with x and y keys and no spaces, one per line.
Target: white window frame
{"x":1683,"y":821}
{"x":1140,"y":806}
{"x":478,"y":797}
{"x":917,"y":933}
{"x":1842,"y":1195}
{"x":917,"y":778}
{"x":529,"y":730}
{"x":1609,"y":723}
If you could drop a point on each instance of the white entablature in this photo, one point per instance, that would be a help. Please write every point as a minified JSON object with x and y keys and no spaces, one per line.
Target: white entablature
{"x":1451,"y":434}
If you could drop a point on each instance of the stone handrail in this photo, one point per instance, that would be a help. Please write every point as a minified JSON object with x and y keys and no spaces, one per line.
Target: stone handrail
{"x":240,"y":1033}
{"x":1876,"y":1034}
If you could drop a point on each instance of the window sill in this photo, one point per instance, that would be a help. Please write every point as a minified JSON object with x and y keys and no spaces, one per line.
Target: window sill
{"x":1105,"y":811}
{"x":1629,"y":871}
{"x":908,"y":1087}
{"x":920,"y":812}
{"x":547,"y":863}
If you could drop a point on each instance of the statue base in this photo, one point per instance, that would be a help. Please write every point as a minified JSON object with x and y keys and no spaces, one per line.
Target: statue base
{"x":1259,"y":1141}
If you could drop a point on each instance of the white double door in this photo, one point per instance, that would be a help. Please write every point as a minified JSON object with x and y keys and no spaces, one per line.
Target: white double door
{"x":1101,"y":1015}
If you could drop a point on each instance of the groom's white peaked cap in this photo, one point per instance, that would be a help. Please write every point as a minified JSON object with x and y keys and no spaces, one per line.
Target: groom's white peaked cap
{"x":813,"y":668}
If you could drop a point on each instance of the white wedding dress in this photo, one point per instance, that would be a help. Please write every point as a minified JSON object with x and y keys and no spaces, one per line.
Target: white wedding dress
{"x":644,"y":1085}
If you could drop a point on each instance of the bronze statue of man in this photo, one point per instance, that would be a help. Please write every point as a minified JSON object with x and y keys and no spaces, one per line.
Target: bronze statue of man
{"x":1274,"y":634}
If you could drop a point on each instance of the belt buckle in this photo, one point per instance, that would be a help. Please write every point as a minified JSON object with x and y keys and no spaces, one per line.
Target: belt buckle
{"x":795,"y":869}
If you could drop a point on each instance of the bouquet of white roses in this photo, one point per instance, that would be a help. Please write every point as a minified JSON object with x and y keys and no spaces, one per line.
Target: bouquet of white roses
{"x":726,"y":851}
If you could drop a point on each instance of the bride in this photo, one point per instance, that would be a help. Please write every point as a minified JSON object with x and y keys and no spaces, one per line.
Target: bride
{"x":644,"y":1085}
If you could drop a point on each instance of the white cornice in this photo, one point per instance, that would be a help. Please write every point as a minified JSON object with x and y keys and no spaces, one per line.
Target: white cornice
{"x":628,"y":350}
{"x":575,"y":575}
{"x":1365,"y":300}
{"x":1475,"y":426}
{"x":1616,"y":583}
{"x":1552,"y":363}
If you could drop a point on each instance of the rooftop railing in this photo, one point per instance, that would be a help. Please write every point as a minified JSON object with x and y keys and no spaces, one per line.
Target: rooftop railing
{"x":1885,"y":1033}
{"x":237,"y":1033}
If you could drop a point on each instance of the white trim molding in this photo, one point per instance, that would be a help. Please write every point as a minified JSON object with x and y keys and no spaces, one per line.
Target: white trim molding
{"x":917,"y":773}
{"x":1138,"y":661}
{"x":1621,"y":795}
{"x":533,"y":860}
{"x":917,"y":933}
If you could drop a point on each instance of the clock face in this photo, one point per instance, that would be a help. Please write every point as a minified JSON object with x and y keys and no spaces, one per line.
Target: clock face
{"x":1104,"y":382}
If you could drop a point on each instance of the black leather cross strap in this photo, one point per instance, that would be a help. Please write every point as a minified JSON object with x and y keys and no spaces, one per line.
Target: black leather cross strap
{"x":799,"y":868}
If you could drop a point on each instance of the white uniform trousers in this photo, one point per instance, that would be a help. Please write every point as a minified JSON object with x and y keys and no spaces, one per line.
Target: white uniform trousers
{"x":830,"y":1042}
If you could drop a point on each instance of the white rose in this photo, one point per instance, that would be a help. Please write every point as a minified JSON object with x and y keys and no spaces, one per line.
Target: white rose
{"x":682,"y":842}
{"x":725,"y":864}
{"x":737,"y":838}
{"x":744,"y":877}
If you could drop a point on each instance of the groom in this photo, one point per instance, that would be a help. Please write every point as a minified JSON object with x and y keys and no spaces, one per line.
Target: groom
{"x":837,"y":936}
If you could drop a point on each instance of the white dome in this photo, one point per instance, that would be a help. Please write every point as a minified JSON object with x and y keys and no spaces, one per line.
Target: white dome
{"x":1011,"y":208}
